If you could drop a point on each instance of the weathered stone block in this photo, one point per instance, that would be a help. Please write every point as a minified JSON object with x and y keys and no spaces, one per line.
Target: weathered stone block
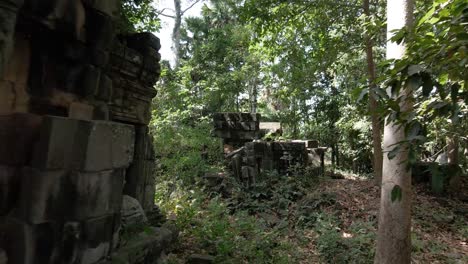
{"x":308,"y":143}
{"x":149,"y":78}
{"x":234,"y":125}
{"x":9,"y":188}
{"x":132,"y":212}
{"x":267,"y":164}
{"x":143,"y":144}
{"x":26,"y":243}
{"x":250,"y":135}
{"x":81,"y":111}
{"x":130,"y":69}
{"x":248,"y":172}
{"x":111,"y":139}
{"x":17,"y":70}
{"x":139,"y":176}
{"x":3,"y":257}
{"x":134,"y":57}
{"x":99,"y":57}
{"x":256,"y":147}
{"x":109,"y":7}
{"x":43,"y":197}
{"x":83,"y":145}
{"x":61,"y":144}
{"x":101,"y":112}
{"x":145,"y":247}
{"x":151,"y":61}
{"x":100,"y":29}
{"x":150,"y":191}
{"x":22,"y":98}
{"x":50,"y":196}
{"x":289,"y":146}
{"x":90,"y":81}
{"x":105,"y":88}
{"x":98,"y":234}
{"x":74,"y":50}
{"x":236,"y":117}
{"x":7,"y":97}
{"x":97,"y":193}
{"x":18,"y":133}
{"x":235,"y":134}
{"x":140,"y":41}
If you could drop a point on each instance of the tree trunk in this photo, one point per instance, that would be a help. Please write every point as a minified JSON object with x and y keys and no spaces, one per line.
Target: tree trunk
{"x":333,"y":155}
{"x":337,"y":155}
{"x":452,"y":158}
{"x":452,"y":150}
{"x":376,"y":133}
{"x":253,"y":98}
{"x":393,"y":238}
{"x":176,"y":31}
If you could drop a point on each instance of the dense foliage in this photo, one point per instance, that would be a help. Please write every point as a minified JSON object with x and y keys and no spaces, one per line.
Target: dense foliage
{"x":301,"y":63}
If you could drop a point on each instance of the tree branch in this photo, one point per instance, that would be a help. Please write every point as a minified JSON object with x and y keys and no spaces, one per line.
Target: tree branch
{"x":166,"y":15}
{"x":162,"y":11}
{"x":194,"y":3}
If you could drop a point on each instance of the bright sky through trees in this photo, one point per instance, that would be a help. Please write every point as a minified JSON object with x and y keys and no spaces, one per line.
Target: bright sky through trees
{"x":167,"y":25}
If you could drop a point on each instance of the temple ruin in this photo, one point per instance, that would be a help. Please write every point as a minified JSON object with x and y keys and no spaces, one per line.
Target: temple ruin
{"x":75,"y":96}
{"x":249,"y":155}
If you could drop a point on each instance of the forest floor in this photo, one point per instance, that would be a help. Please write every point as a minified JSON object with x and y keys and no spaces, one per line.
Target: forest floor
{"x":309,"y":220}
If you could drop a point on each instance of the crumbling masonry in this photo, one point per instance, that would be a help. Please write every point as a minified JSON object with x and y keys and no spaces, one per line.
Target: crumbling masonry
{"x":75,"y":100}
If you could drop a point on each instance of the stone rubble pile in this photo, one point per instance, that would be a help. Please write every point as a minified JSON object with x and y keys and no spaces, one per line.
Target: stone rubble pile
{"x":248,"y":156}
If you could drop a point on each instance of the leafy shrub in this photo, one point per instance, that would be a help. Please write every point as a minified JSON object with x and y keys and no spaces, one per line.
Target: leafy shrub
{"x":338,"y":246}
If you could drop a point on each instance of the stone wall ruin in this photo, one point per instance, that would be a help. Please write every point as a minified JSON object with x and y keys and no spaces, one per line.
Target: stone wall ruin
{"x":75,"y":97}
{"x":248,"y":155}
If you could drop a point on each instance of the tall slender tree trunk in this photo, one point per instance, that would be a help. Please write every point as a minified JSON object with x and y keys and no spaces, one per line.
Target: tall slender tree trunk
{"x":376,"y":132}
{"x":394,"y":234}
{"x":452,"y":150}
{"x":176,"y":31}
{"x":337,"y":155}
{"x":253,"y":97}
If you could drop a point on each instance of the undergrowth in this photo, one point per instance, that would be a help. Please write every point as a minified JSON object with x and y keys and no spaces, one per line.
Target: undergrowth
{"x":280,"y":219}
{"x":301,"y":217}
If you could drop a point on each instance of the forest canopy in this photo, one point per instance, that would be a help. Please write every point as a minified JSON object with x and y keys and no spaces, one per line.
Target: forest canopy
{"x":380,"y":84}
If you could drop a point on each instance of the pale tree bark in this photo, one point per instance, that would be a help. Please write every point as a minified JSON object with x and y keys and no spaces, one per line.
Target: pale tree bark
{"x":176,"y":31}
{"x":452,"y":160}
{"x":376,"y":131}
{"x":452,"y":150}
{"x":253,"y":96}
{"x":394,"y":233}
{"x":177,"y":15}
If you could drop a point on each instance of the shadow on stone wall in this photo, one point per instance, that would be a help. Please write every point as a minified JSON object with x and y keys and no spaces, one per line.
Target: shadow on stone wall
{"x":75,"y":100}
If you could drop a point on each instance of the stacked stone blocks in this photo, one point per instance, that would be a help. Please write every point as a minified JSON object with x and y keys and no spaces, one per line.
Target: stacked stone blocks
{"x":64,"y":187}
{"x":250,"y":156}
{"x":234,"y":127}
{"x":263,"y":156}
{"x":64,"y":160}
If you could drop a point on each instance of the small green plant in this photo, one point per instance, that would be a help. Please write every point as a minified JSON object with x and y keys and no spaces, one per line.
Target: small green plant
{"x":339,"y":246}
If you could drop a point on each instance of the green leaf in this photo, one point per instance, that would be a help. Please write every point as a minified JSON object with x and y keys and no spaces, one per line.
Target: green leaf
{"x":362,"y":94}
{"x":397,"y":193}
{"x":392,"y":153}
{"x":382,"y":93}
{"x":426,"y":16}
